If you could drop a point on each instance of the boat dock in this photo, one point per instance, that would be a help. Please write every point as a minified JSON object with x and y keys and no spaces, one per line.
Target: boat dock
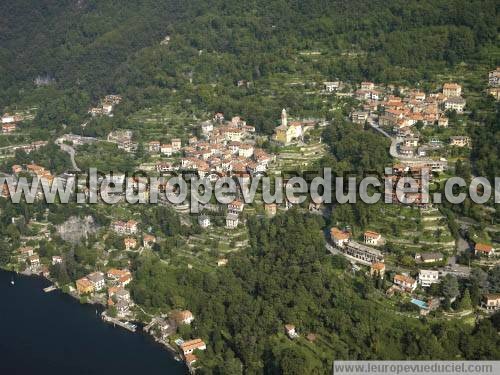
{"x":49,"y":289}
{"x":127,"y":325}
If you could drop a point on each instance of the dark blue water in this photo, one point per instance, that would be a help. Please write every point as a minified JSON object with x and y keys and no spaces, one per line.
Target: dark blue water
{"x":53,"y":334}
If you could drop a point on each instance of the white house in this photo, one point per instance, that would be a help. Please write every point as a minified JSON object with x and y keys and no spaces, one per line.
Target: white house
{"x":339,"y":238}
{"x":107,"y":108}
{"x":331,"y":86}
{"x":290,"y":331}
{"x":491,"y":302}
{"x":167,"y":149}
{"x":204,"y":221}
{"x":372,"y":238}
{"x":232,"y":221}
{"x":56,"y":259}
{"x":97,"y":280}
{"x":455,"y":103}
{"x":428,"y":277}
{"x":7,"y":119}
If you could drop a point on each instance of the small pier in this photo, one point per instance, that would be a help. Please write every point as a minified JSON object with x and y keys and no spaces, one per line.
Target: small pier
{"x":127,"y":325}
{"x":49,"y":289}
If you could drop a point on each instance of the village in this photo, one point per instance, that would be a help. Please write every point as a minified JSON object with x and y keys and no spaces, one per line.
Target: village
{"x":232,"y":147}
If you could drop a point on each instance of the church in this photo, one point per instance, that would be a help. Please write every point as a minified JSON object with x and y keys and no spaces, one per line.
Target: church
{"x":287,"y":133}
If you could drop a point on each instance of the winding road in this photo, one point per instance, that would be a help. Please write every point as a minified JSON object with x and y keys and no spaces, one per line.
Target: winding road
{"x":71,"y":151}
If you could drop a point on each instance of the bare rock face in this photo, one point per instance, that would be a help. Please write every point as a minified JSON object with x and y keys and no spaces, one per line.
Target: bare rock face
{"x":76,"y":229}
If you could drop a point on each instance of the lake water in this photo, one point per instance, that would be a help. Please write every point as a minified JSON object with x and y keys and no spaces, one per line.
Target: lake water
{"x":53,"y":334}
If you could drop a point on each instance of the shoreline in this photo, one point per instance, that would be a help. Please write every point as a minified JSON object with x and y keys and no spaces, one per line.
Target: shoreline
{"x":174,"y":354}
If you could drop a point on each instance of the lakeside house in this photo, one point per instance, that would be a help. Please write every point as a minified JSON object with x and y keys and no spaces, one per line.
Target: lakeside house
{"x":190,"y":359}
{"x":25,"y":252}
{"x":84,"y":286}
{"x":97,"y":280}
{"x":34,"y":261}
{"x":183,"y":317}
{"x":190,"y":346}
{"x":118,"y":293}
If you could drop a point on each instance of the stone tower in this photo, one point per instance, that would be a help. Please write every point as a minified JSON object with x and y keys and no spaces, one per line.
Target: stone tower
{"x":284,"y":118}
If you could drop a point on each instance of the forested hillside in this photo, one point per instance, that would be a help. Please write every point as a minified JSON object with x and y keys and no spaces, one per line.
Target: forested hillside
{"x":288,"y":278}
{"x":103,"y":46}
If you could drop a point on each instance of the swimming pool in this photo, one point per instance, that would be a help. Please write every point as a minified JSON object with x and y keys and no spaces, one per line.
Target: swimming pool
{"x":419,"y":303}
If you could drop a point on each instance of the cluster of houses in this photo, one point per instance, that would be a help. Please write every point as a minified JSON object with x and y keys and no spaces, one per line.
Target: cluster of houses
{"x":106,"y":106}
{"x":226,"y":147}
{"x":115,"y":280}
{"x":33,"y":146}
{"x":333,"y":86}
{"x":9,"y":122}
{"x":415,"y":198}
{"x":494,"y":83}
{"x":33,"y":170}
{"x":44,"y":175}
{"x":361,"y":253}
{"x":234,"y":209}
{"x":123,"y":139}
{"x":187,"y":348}
{"x":130,"y":229}
{"x":402,"y":283}
{"x":410,"y":146}
{"x":28,"y":255}
{"x":401,"y":113}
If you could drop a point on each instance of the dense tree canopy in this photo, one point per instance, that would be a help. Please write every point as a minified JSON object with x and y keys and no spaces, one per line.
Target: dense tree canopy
{"x":287,"y":277}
